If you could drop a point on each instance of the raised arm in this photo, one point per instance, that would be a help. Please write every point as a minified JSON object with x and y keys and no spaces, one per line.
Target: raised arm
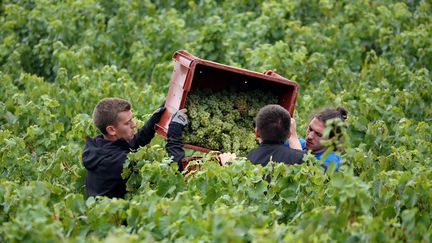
{"x":147,"y":132}
{"x":174,"y":145}
{"x":293,"y":139}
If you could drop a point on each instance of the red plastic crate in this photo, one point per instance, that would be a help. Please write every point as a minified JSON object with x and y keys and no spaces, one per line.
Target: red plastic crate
{"x":191,"y":73}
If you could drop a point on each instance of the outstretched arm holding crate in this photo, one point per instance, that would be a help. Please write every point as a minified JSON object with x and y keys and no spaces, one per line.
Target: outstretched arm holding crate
{"x":174,"y":145}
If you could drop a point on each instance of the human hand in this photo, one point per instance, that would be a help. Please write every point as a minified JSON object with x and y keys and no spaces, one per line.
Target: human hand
{"x":155,"y":117}
{"x":293,"y":128}
{"x":293,"y":140}
{"x":180,"y":117}
{"x":157,"y":114}
{"x":226,"y":157}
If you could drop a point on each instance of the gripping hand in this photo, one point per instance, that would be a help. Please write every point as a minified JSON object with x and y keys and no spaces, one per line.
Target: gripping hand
{"x":155,"y":117}
{"x":180,"y":117}
{"x":158,"y":113}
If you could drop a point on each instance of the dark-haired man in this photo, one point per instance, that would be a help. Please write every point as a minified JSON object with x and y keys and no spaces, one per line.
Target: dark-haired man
{"x":272,"y":129}
{"x":104,"y":155}
{"x":315,"y":135}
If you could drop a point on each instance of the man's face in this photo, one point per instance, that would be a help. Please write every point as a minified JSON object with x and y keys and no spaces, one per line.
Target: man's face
{"x":314,"y":135}
{"x":125,"y":127}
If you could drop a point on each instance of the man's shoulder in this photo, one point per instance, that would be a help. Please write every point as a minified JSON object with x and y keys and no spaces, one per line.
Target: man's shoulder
{"x":294,"y":154}
{"x":277,"y":152}
{"x":99,"y":152}
{"x":100,"y":143}
{"x":252,"y":153}
{"x":260,"y":155}
{"x":331,"y":157}
{"x":287,"y":155}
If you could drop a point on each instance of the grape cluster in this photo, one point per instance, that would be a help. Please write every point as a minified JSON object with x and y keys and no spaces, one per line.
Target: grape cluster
{"x":224,"y":120}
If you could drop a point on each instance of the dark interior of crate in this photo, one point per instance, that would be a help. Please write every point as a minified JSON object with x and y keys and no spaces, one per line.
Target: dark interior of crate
{"x":207,"y":77}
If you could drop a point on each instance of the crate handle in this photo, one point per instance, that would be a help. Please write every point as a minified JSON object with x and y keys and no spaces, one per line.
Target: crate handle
{"x":272,"y":74}
{"x":183,"y":58}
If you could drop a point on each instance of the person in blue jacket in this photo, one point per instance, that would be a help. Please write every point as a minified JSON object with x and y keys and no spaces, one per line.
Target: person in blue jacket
{"x":315,"y":134}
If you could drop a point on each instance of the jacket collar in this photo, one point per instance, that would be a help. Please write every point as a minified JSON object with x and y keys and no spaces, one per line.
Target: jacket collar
{"x":271,"y":142}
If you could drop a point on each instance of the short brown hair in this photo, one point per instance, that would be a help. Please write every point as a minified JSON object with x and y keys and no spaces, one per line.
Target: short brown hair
{"x":331,"y":113}
{"x":273,"y":123}
{"x":105,"y":112}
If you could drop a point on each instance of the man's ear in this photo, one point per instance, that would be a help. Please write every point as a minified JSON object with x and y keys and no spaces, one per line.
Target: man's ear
{"x":111,"y":131}
{"x":257,"y":133}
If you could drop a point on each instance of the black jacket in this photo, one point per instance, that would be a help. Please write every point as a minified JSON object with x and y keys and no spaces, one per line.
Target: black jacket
{"x":278,"y":153}
{"x":104,"y":160}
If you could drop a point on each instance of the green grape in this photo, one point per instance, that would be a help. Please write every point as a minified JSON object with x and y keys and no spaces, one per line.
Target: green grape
{"x":223,"y":120}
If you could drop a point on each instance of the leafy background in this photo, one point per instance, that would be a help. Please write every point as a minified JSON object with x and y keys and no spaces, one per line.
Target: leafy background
{"x":58,"y":58}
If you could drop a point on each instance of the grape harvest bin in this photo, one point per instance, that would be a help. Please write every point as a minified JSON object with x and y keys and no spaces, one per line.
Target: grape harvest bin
{"x":192,"y":73}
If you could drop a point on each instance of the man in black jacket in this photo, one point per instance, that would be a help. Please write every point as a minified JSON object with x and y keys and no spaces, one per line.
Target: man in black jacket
{"x":104,"y":155}
{"x":272,"y":129}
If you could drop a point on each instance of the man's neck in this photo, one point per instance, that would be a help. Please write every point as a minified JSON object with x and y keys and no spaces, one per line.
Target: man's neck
{"x":271,"y":142}
{"x":109,"y":138}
